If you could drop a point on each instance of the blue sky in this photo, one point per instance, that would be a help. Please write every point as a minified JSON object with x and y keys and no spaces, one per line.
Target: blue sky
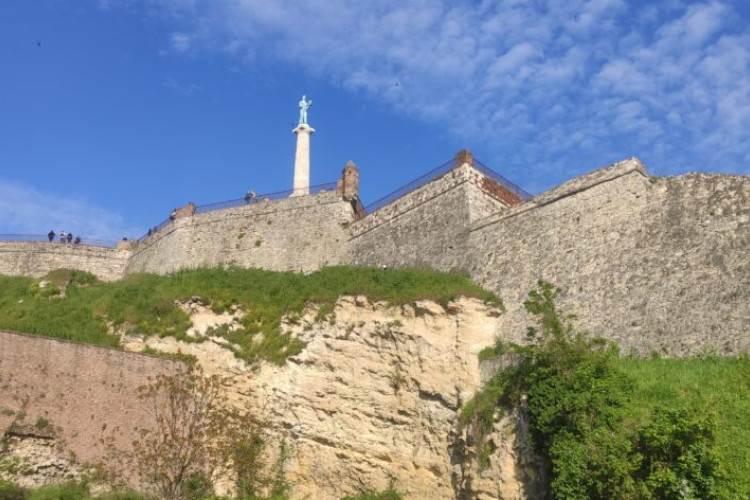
{"x":113,"y":112}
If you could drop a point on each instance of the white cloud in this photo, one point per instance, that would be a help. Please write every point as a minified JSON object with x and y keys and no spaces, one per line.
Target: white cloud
{"x":558,"y":82}
{"x":180,"y":42}
{"x":26,"y":210}
{"x":186,"y":89}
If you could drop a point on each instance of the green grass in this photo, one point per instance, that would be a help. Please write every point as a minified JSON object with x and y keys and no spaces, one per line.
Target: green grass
{"x":145,"y":303}
{"x":61,"y":491}
{"x":719,"y":386}
{"x":388,"y":494}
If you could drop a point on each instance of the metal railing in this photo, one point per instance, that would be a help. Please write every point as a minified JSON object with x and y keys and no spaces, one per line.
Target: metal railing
{"x":246,"y":200}
{"x":43,"y":238}
{"x":487,"y":171}
{"x":411,"y":186}
{"x":436,"y":174}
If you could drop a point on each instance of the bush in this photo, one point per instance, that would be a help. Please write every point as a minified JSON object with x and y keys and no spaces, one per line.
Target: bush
{"x":576,"y":396}
{"x":676,"y":459}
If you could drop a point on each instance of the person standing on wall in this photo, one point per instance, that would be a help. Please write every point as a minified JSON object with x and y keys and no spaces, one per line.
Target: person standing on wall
{"x":51,"y":235}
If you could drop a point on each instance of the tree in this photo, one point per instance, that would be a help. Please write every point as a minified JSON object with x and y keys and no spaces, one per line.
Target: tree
{"x":194,"y":438}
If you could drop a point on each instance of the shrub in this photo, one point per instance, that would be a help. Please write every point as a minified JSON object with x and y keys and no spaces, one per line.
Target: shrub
{"x":676,"y":459}
{"x":576,"y":397}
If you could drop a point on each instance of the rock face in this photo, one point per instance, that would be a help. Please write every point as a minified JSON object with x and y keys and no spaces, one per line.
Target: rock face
{"x":31,"y":458}
{"x":512,"y":469}
{"x":374,"y":398}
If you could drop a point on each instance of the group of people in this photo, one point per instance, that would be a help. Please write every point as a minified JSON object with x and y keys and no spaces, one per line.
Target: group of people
{"x":66,"y":238}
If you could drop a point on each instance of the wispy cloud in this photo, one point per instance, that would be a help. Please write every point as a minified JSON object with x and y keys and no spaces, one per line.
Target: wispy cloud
{"x":180,"y":41}
{"x":547,"y":85}
{"x":26,"y":210}
{"x":186,"y":89}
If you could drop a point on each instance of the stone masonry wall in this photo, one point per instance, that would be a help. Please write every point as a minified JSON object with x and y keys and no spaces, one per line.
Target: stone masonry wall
{"x":37,"y":259}
{"x":426,"y":228}
{"x":302,"y":233}
{"x":85,"y":392}
{"x":655,"y":264}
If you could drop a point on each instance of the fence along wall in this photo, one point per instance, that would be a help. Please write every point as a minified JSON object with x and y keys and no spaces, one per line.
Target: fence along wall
{"x":85,"y":392}
{"x":37,"y":259}
{"x":428,"y":227}
{"x":655,"y":264}
{"x":301,"y":233}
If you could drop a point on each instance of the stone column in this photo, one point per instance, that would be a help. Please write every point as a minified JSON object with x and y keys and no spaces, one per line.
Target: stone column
{"x":302,"y":159}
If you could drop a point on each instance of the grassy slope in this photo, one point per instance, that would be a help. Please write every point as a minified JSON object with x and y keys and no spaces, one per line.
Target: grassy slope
{"x":720,"y":386}
{"x":144,"y":303}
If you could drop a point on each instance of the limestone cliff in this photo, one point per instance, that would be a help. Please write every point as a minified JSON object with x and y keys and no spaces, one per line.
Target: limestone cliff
{"x":374,"y":397}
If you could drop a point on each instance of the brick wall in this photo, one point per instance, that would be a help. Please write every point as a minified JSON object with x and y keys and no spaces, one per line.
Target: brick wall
{"x":88,"y":392}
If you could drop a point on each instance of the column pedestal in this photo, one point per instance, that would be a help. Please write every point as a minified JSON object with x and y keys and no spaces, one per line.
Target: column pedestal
{"x":302,"y":160}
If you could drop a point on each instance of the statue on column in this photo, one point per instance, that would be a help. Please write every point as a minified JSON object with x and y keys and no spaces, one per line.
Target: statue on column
{"x":304,"y":105}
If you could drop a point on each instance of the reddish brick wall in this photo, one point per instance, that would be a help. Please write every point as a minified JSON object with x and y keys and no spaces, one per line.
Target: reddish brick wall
{"x":500,"y":192}
{"x":88,"y":392}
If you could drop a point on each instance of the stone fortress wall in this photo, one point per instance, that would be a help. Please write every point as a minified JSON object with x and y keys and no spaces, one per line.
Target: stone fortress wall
{"x":658,"y":264}
{"x":37,"y":259}
{"x":429,"y":226}
{"x":301,"y":233}
{"x":86,"y":393}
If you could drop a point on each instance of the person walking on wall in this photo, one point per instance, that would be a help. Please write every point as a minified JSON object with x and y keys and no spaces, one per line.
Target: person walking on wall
{"x":70,"y":238}
{"x":63,"y":238}
{"x":51,"y":235}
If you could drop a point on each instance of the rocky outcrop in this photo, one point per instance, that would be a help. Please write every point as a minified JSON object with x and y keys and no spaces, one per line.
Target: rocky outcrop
{"x":373,"y":398}
{"x":32,"y":457}
{"x":510,"y":469}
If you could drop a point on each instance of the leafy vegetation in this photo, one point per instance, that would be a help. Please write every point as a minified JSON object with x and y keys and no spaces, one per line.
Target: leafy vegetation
{"x":579,"y":404}
{"x":388,"y":494}
{"x":194,"y":438}
{"x":148,"y":304}
{"x":717,"y":386}
{"x":62,"y":491}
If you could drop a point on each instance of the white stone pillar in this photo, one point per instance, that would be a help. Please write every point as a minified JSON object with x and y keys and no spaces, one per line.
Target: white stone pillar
{"x":302,"y":159}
